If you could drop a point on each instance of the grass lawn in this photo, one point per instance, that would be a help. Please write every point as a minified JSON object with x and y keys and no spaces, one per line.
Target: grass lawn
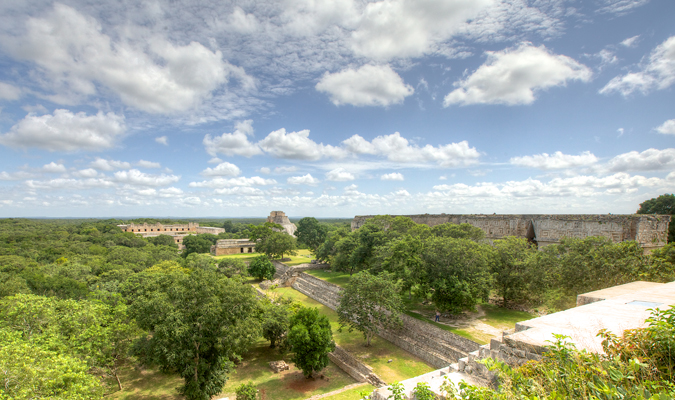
{"x":336,"y":278}
{"x":461,"y":332}
{"x":503,"y":318}
{"x":304,"y":256}
{"x":403,"y":366}
{"x":287,"y":385}
{"x":352,"y":394}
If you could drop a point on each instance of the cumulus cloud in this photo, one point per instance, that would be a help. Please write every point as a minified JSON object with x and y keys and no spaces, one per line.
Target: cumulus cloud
{"x":667,"y":128}
{"x":9,"y":92}
{"x":397,"y":148}
{"x":70,"y":184}
{"x":102,"y":164}
{"x":657,"y":72}
{"x":232,"y":182}
{"x":65,"y":131}
{"x":406,"y":28}
{"x":557,"y":160}
{"x":394,"y":176}
{"x":514,"y":75}
{"x":158,"y":77}
{"x":303,"y":180}
{"x":297,"y":146}
{"x":162,"y":140}
{"x":222,"y":169}
{"x":54,"y":168}
{"x":15,"y":176}
{"x":240,"y":191}
{"x":285,"y":169}
{"x":631,"y":41}
{"x":339,"y":175}
{"x":86,"y":173}
{"x":148,"y":164}
{"x":138,"y":178}
{"x":648,"y":160}
{"x":235,"y":143}
{"x":370,"y":85}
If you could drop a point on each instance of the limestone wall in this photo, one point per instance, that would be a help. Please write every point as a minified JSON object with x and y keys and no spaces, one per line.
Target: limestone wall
{"x":651,"y":231}
{"x":434,"y":345}
{"x":355,"y":368}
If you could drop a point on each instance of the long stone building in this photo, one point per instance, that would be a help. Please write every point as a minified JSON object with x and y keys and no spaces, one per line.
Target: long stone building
{"x":651,"y":231}
{"x":232,"y":246}
{"x":177,"y":231}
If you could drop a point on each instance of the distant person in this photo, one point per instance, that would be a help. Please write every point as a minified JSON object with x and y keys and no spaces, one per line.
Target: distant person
{"x":438,"y":316}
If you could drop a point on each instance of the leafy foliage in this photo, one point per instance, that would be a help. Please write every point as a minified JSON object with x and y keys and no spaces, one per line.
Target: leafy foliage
{"x":310,"y":233}
{"x":370,"y":302}
{"x":261,"y":268}
{"x":311,"y":339}
{"x":246,"y":391}
{"x":275,"y":319}
{"x":231,"y":267}
{"x":199,"y":323}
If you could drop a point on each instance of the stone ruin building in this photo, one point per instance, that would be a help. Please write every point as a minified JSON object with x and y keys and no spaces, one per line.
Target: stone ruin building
{"x":651,"y":231}
{"x":279,"y":217}
{"x":232,"y":246}
{"x":177,"y":231}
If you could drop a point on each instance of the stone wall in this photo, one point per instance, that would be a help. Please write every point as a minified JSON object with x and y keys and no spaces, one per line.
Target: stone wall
{"x":651,"y":231}
{"x":434,"y":345}
{"x":355,"y":368}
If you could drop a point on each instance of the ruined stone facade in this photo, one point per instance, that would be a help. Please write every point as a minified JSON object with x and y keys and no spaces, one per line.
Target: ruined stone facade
{"x":279,"y":217}
{"x":177,"y":231}
{"x":651,"y":231}
{"x":232,"y":246}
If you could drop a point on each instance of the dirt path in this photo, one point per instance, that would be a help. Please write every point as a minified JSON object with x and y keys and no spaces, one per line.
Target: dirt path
{"x":334,"y":392}
{"x":471,"y":321}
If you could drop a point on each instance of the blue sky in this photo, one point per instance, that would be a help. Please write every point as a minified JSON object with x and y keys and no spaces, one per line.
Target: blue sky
{"x":334,"y":108}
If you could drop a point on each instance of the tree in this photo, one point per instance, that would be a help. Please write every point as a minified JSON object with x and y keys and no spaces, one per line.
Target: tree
{"x":403,"y":258}
{"x":277,"y":244}
{"x":231,"y":267}
{"x":199,"y":322}
{"x":196,"y":244}
{"x":200,"y":261}
{"x":310,"y":339}
{"x":370,"y":302}
{"x":458,"y":271}
{"x":246,"y":391}
{"x":310,"y":233}
{"x":163,"y":240}
{"x":275,"y":319}
{"x":664,"y":205}
{"x":513,"y":267}
{"x":261,"y":268}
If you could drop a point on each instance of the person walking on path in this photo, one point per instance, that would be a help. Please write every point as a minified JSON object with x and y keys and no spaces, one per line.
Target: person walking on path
{"x":438,"y":316}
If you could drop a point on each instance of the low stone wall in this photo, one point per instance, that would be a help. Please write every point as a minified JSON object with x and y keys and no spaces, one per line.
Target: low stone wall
{"x":355,"y":368}
{"x":434,"y":345}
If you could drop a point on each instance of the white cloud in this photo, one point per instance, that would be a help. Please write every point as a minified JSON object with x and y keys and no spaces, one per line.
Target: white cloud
{"x":162,"y":140}
{"x":667,"y":128}
{"x":9,"y":92}
{"x":648,"y":160}
{"x":657,"y":73}
{"x":150,"y":74}
{"x":102,"y":164}
{"x":86,"y":173}
{"x":297,"y":146}
{"x":232,"y":182}
{"x":70,"y":184}
{"x":513,"y":76}
{"x":170,"y":192}
{"x":215,"y":160}
{"x":222,"y":169}
{"x":339,"y":175}
{"x":303,"y":180}
{"x":138,"y":178}
{"x":631,"y":41}
{"x":397,"y":148}
{"x":557,"y":160}
{"x":54,"y":168}
{"x":620,"y":6}
{"x":405,"y":28}
{"x":14,"y":176}
{"x":285,"y":170}
{"x":264,"y":170}
{"x":148,"y":164}
{"x":65,"y":131}
{"x":370,"y":85}
{"x":235,"y":143}
{"x":240,"y":191}
{"x":394,"y":176}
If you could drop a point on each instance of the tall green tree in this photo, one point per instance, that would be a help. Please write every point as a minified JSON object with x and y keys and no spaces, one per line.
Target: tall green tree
{"x":311,"y":339}
{"x":199,"y":322}
{"x":276,"y":244}
{"x":276,"y":319}
{"x":196,"y":244}
{"x":231,"y":267}
{"x":370,"y":302}
{"x":664,"y":205}
{"x":459,"y":272}
{"x":514,"y":268}
{"x":261,"y":268}
{"x":310,"y":233}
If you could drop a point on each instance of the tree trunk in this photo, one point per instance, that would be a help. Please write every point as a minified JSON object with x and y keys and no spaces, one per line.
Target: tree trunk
{"x":119,"y":384}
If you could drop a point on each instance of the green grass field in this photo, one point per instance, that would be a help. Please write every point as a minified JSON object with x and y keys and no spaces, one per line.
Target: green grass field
{"x":304,"y":256}
{"x":403,"y":366}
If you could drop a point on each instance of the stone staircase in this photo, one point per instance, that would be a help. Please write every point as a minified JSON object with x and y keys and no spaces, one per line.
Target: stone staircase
{"x":435,"y":379}
{"x":319,"y":290}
